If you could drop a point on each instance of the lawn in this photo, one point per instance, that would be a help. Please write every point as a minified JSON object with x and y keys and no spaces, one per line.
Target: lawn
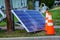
{"x":23,"y":33}
{"x":19,"y":33}
{"x":56,"y":16}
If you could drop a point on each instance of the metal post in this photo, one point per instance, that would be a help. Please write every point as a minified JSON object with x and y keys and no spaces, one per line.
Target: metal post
{"x":9,"y":16}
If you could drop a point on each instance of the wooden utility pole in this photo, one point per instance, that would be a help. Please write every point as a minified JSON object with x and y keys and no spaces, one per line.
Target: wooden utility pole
{"x":9,"y":16}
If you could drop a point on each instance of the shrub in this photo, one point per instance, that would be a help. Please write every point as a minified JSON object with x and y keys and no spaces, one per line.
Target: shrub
{"x":48,"y":3}
{"x":30,"y":5}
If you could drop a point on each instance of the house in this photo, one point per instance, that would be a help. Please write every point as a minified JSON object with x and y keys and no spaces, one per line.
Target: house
{"x":15,"y":3}
{"x":57,"y":2}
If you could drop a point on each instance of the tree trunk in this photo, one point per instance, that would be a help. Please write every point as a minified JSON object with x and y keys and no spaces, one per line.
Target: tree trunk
{"x":9,"y":16}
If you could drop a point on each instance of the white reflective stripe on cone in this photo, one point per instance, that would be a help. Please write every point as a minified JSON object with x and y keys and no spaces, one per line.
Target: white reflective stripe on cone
{"x":50,"y":24}
{"x":49,"y":17}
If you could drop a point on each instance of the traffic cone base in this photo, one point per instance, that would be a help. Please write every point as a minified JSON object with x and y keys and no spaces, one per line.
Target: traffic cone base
{"x":50,"y":30}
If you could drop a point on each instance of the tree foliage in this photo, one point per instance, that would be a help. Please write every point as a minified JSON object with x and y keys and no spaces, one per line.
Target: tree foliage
{"x":30,"y":4}
{"x":48,"y":3}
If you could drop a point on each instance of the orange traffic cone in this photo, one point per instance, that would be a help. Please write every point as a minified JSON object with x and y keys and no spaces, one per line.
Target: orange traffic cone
{"x":49,"y":27}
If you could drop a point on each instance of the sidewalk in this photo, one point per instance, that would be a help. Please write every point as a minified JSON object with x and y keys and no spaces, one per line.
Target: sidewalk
{"x":56,"y":26}
{"x":19,"y":27}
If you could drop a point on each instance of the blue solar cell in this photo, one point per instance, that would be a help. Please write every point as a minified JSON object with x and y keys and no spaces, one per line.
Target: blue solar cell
{"x":32,"y":20}
{"x":40,"y":20}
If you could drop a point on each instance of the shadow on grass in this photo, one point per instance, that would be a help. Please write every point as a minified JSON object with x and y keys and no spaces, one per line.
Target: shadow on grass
{"x":23,"y":33}
{"x":20,"y":33}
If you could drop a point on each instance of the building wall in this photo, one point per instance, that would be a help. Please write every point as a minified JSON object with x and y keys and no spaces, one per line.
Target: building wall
{"x":2,"y":3}
{"x":15,"y":3}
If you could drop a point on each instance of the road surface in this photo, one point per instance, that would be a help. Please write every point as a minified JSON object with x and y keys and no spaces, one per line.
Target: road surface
{"x":33,"y":38}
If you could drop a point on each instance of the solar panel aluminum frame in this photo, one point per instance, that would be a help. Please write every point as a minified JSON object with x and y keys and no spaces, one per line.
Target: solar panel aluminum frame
{"x":3,"y":15}
{"x":20,"y":21}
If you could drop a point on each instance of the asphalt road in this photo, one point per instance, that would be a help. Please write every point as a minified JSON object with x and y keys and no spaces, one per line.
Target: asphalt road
{"x":33,"y":38}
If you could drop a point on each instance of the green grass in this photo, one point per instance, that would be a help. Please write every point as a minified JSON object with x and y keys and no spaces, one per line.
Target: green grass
{"x":3,"y":23}
{"x":20,"y":33}
{"x":56,"y":16}
{"x":23,"y":33}
{"x":57,"y":31}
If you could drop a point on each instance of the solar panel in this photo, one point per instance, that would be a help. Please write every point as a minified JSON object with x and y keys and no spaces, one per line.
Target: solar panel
{"x":38,"y":17}
{"x":28,"y":21}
